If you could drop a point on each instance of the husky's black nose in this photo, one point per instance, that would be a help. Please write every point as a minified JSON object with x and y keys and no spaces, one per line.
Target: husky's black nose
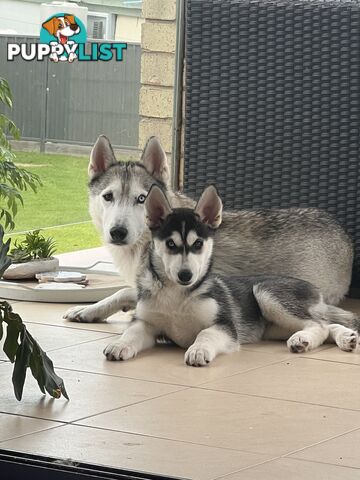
{"x":118,"y":234}
{"x":185,"y":276}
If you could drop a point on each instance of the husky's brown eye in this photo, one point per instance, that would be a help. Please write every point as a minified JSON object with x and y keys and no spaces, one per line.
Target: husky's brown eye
{"x":108,"y":197}
{"x":198,"y":244}
{"x":141,"y":198}
{"x":170,"y":244}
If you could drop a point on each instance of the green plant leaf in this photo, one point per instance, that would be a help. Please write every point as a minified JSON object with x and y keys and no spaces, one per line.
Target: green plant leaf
{"x":5,"y":260}
{"x":11,"y":344}
{"x":43,"y":371}
{"x":13,"y":179}
{"x":36,"y":369}
{"x":34,"y":246}
{"x":28,"y":353}
{"x":23,"y":355}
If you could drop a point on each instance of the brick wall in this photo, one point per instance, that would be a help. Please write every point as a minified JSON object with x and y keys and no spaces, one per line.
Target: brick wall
{"x":158,"y":38}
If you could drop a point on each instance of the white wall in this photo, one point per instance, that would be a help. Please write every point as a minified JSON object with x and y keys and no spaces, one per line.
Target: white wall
{"x":21,"y":17}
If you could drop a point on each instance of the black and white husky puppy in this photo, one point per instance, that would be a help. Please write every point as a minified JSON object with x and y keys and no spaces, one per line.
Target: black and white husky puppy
{"x":208,"y":314}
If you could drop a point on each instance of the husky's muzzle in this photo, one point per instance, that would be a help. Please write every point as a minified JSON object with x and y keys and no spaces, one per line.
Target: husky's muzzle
{"x":184,"y":277}
{"x":118,"y":235}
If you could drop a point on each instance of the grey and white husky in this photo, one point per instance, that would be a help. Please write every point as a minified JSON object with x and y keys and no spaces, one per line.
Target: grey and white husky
{"x":208,"y":314}
{"x":303,"y":243}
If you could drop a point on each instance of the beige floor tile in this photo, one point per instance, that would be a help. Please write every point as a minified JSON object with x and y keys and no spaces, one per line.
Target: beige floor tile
{"x":227,"y":420}
{"x":299,"y":379}
{"x":162,"y":364}
{"x":291,"y":469}
{"x":13,"y":426}
{"x":343,"y":450}
{"x":89,"y":394}
{"x":51,"y":338}
{"x":135,"y":452}
{"x":276,"y":347}
{"x":52,"y":313}
{"x":336,"y":355}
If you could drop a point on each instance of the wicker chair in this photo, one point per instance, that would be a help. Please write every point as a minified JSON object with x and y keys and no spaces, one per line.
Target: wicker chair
{"x":273,"y":104}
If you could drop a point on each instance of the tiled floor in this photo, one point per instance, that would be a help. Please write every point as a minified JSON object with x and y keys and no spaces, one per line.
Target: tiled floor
{"x":263,"y":413}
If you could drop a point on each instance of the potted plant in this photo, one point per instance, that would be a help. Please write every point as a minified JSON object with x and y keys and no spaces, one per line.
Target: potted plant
{"x":30,"y":256}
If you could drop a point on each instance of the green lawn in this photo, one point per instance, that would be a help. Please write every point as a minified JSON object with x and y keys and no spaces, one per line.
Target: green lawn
{"x":60,"y":202}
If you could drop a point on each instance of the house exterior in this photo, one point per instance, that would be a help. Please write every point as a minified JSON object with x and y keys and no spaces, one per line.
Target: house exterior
{"x":106,"y":19}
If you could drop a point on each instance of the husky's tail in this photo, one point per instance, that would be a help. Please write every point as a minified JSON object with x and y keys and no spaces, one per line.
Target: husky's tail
{"x":331,"y":314}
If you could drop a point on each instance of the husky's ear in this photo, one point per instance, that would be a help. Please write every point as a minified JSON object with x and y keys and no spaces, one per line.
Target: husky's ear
{"x":155,"y":161}
{"x":209,"y":207}
{"x":157,"y":207}
{"x":101,"y":156}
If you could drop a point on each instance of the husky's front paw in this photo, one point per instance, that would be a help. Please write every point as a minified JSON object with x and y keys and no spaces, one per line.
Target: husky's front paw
{"x":198,"y":356}
{"x":348,"y":340}
{"x":82,"y":314}
{"x":300,"y":342}
{"x":119,"y":351}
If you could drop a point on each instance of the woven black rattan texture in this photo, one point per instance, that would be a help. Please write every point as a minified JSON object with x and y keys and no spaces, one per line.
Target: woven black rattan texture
{"x":273,"y":104}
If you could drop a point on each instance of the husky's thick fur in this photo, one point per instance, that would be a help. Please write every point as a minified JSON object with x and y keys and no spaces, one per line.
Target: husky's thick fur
{"x":304,"y":243}
{"x":178,"y":296}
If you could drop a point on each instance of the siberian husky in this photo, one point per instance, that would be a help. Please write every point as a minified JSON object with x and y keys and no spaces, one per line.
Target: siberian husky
{"x":304,"y":243}
{"x":208,"y":314}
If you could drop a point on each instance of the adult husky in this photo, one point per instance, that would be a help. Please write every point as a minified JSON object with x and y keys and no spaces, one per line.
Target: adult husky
{"x":304,"y":243}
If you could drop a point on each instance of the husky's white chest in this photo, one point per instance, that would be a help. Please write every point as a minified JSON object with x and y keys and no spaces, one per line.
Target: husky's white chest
{"x":177,"y":315}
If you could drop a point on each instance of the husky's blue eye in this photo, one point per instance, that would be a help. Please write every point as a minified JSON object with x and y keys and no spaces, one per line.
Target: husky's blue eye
{"x":108,"y":197}
{"x":170,"y":244}
{"x":141,"y":198}
{"x":198,"y":244}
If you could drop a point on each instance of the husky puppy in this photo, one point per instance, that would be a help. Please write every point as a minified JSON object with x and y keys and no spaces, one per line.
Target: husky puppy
{"x":303,"y":243}
{"x":208,"y":314}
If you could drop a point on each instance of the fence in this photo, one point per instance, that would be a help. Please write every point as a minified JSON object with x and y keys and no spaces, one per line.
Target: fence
{"x":74,"y":103}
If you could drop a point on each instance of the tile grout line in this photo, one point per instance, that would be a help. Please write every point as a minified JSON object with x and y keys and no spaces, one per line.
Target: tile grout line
{"x":318,"y":462}
{"x":277,"y":399}
{"x":32,"y":433}
{"x":77,"y":425}
{"x":320,"y":442}
{"x":251,"y":369}
{"x":77,"y":328}
{"x":201,"y":386}
{"x":117,"y":376}
{"x":73,"y":422}
{"x":341,"y":362}
{"x":166,"y":439}
{"x":249,"y":467}
{"x":81,"y":343}
{"x":123,"y":377}
{"x":165,"y":382}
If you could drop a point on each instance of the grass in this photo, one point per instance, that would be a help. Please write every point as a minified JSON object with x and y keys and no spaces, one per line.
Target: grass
{"x":60,"y":202}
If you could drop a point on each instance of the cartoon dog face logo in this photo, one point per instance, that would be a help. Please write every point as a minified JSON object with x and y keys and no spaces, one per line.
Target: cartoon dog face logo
{"x":62,"y":28}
